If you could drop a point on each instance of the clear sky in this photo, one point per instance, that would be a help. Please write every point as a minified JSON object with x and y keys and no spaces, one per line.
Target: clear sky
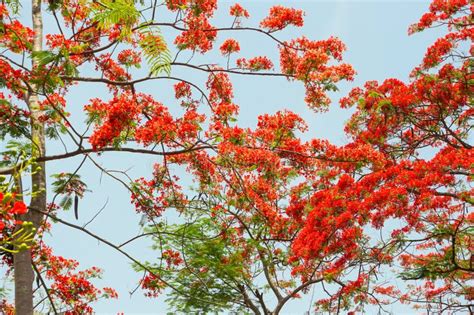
{"x":375,"y":33}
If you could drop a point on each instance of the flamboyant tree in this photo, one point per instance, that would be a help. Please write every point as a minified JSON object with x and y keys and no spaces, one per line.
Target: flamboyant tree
{"x":269,"y":216}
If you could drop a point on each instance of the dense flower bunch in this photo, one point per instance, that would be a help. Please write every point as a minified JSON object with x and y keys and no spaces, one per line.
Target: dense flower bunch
{"x":200,"y":34}
{"x":117,"y":114}
{"x":121,"y":117}
{"x":238,"y":11}
{"x":455,"y":15}
{"x":220,"y":97}
{"x":280,"y":17}
{"x":182,"y":90}
{"x":12,"y":79}
{"x":129,"y":58}
{"x":152,"y":285}
{"x":15,"y":36}
{"x":111,"y":69}
{"x":312,"y":63}
{"x":71,"y":290}
{"x":230,"y":46}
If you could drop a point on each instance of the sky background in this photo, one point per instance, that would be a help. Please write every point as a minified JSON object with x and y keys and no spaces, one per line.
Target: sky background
{"x":378,"y":47}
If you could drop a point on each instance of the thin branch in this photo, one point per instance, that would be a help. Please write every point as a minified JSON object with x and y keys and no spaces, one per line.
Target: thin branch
{"x":38,"y":274}
{"x":112,"y":149}
{"x":110,"y":244}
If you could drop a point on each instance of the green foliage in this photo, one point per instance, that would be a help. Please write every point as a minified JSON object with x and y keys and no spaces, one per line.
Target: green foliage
{"x":48,"y":61}
{"x":16,"y":153}
{"x":69,"y":186}
{"x":156,"y":51}
{"x":52,"y":132}
{"x":109,"y":13}
{"x":16,"y":125}
{"x":14,"y":5}
{"x":212,"y":268}
{"x":45,"y":57}
{"x":54,"y":5}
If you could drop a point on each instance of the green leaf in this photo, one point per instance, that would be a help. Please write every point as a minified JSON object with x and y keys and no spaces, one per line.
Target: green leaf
{"x":112,"y":12}
{"x":66,"y":202}
{"x":45,"y":57}
{"x":14,"y":5}
{"x":156,"y":52}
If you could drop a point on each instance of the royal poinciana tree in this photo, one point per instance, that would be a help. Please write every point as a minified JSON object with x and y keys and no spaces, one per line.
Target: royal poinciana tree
{"x":269,"y":216}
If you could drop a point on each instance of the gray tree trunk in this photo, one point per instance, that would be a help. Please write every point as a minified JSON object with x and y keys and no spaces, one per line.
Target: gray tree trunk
{"x":23,"y":271}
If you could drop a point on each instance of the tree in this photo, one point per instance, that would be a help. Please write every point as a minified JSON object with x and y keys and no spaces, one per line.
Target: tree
{"x":270,"y":215}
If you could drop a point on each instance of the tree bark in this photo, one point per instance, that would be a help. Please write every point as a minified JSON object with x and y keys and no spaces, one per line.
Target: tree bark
{"x":23,"y":271}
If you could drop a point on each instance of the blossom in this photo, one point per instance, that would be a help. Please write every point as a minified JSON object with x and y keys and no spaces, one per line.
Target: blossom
{"x":182,"y":90}
{"x":129,"y":57}
{"x":238,"y":11}
{"x":230,"y":46}
{"x":280,"y":17}
{"x":19,"y":208}
{"x":255,"y":63}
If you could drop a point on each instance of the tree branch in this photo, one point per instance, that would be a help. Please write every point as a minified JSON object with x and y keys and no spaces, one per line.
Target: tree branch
{"x":112,"y":149}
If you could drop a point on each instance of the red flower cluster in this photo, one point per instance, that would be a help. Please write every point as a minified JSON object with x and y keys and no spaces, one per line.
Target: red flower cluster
{"x":442,"y":10}
{"x":72,"y":289}
{"x":311,"y":62}
{"x":172,"y":258}
{"x":454,"y":14}
{"x":117,"y":115}
{"x":280,"y":17}
{"x":200,"y":34}
{"x":238,"y":11}
{"x":182,"y":90}
{"x":220,"y":96}
{"x":129,"y":58}
{"x":153,"y":197}
{"x":230,"y":46}
{"x":16,"y":37}
{"x":153,"y":285}
{"x":174,"y":5}
{"x":111,"y":69}
{"x":255,"y":63}
{"x":12,"y":79}
{"x":9,"y":209}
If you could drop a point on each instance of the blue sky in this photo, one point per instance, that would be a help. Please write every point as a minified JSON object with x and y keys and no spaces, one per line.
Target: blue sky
{"x":375,"y":33}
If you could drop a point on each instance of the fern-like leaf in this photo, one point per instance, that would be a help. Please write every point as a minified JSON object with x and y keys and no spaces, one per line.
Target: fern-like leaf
{"x":156,"y":52}
{"x":112,"y":12}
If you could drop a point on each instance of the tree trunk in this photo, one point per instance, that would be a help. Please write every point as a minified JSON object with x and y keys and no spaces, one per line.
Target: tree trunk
{"x":23,"y":271}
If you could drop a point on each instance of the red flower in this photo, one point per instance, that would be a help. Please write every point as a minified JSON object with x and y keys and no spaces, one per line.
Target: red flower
{"x":255,"y":64}
{"x":182,"y":90}
{"x":19,"y":208}
{"x":280,"y":17}
{"x":238,"y":11}
{"x":230,"y":46}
